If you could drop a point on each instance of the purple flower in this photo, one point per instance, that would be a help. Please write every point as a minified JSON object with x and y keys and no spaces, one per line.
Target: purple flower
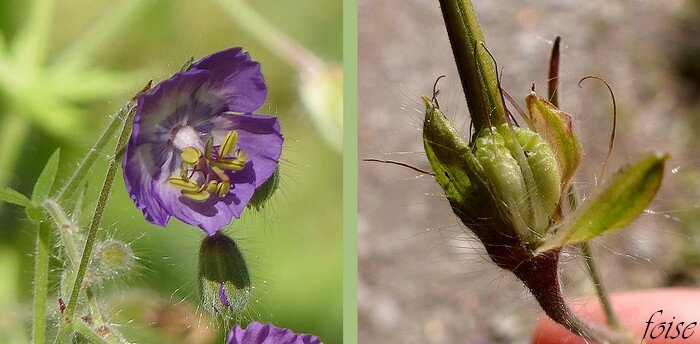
{"x":196,"y":151}
{"x":257,"y":333}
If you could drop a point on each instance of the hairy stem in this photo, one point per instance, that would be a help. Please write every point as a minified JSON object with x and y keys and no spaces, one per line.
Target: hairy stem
{"x":475,"y":66}
{"x":88,"y":333}
{"x":68,"y":229}
{"x":90,"y":158}
{"x":41,"y":281}
{"x":593,"y":271}
{"x":94,"y":225}
{"x":598,"y":283}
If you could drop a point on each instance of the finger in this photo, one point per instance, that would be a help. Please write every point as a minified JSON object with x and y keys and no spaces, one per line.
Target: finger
{"x":634,"y":310}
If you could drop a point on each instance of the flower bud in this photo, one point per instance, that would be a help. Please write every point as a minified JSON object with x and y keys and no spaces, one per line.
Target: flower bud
{"x":265,"y":191}
{"x":112,"y":258}
{"x":224,"y":282}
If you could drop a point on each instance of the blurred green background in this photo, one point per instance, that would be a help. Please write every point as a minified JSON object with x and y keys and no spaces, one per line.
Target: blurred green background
{"x":292,"y":246}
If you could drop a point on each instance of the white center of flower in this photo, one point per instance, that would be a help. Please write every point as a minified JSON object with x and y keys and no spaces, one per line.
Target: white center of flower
{"x":184,"y":137}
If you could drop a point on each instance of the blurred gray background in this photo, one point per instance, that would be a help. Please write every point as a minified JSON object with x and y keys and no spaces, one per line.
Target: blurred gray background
{"x":423,"y":278}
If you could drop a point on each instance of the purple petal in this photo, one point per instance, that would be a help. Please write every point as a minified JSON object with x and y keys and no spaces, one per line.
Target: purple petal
{"x":157,"y":111}
{"x":139,"y":171}
{"x":223,"y":297}
{"x":258,"y":333}
{"x":259,"y":137}
{"x":235,"y":79}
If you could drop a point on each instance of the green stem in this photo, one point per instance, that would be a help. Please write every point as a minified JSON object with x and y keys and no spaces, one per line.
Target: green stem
{"x":89,"y":160}
{"x":593,"y":271}
{"x":13,"y":131}
{"x":286,"y":48}
{"x":41,"y":281}
{"x":474,"y":64}
{"x":94,"y":225}
{"x":66,"y":228}
{"x":87,"y":332}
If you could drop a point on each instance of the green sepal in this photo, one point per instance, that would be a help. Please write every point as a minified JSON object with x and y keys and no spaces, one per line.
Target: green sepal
{"x":450,"y":158}
{"x":265,"y":191}
{"x":613,"y":207}
{"x":43,"y":185}
{"x":10,"y":195}
{"x":555,"y":127}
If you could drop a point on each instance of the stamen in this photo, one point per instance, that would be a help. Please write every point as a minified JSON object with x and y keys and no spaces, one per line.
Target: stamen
{"x":190,"y":155}
{"x":223,"y":188}
{"x":197,"y":195}
{"x":211,"y":186}
{"x":241,"y":156}
{"x":229,"y":142}
{"x":183,"y":170}
{"x":208,"y":148}
{"x":230,"y":164}
{"x":183,"y":184}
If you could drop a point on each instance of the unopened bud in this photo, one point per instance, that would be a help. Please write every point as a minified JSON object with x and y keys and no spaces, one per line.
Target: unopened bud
{"x":224,"y":282}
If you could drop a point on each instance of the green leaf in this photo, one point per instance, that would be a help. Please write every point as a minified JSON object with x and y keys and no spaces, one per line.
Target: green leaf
{"x":11,"y":196}
{"x":614,"y":207}
{"x":43,"y":185}
{"x":35,"y":213}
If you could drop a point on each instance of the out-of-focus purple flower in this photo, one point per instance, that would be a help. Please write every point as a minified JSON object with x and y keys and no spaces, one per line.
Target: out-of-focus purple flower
{"x":196,"y":151}
{"x":258,"y":333}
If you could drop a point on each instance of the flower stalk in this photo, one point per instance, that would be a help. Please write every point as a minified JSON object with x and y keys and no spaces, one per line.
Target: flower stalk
{"x":94,"y":225}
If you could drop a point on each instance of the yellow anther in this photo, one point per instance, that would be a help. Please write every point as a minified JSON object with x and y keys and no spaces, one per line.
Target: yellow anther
{"x":229,"y":142}
{"x":197,"y":195}
{"x":183,"y":184}
{"x":230,"y":164}
{"x":190,"y":155}
{"x":208,"y":148}
{"x":241,"y":156}
{"x":223,"y":188}
{"x":211,"y":186}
